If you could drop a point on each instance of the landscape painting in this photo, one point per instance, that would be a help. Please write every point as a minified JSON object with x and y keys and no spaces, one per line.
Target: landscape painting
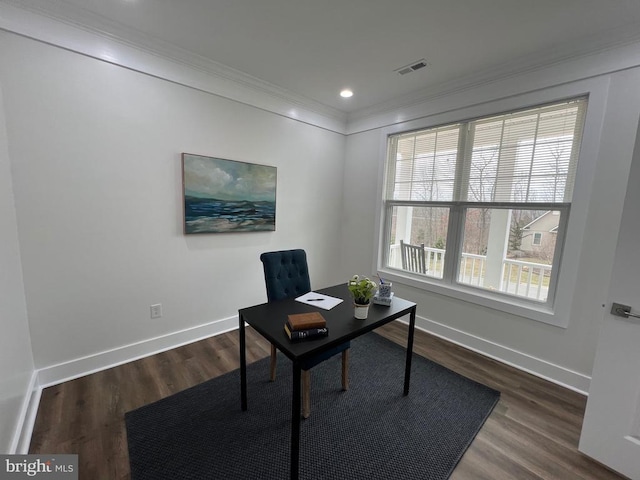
{"x":222,"y":196}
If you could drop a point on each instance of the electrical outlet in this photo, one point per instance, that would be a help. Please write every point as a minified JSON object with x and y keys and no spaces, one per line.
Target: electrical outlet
{"x":156,"y":310}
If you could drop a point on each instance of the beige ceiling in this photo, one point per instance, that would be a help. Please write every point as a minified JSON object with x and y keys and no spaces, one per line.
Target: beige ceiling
{"x":314,"y":48}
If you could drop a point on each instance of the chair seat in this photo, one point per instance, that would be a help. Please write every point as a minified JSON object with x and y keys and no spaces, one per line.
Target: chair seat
{"x":312,"y":362}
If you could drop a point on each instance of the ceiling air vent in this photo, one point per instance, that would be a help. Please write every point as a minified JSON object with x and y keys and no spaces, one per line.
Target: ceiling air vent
{"x":412,"y":67}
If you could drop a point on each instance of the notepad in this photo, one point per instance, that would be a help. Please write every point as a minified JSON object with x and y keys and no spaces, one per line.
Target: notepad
{"x":319,"y":300}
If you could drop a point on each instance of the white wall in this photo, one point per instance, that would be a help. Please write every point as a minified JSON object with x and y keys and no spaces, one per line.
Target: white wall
{"x":95,"y":151}
{"x":16,"y":361}
{"x":562,"y":354}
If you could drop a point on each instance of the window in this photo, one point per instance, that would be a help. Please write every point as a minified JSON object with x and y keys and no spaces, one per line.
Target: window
{"x":537,"y":238}
{"x":473,"y":194}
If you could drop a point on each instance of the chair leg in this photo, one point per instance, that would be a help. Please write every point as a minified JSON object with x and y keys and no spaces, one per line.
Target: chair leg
{"x":306,"y":393}
{"x":345,"y":369}
{"x":272,"y":368}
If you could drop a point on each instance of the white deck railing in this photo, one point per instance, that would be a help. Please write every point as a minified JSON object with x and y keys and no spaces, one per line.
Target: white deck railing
{"x":472,"y":269}
{"x":524,"y":279}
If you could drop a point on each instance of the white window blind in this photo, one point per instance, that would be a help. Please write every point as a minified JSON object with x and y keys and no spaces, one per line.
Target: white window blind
{"x":522,"y":157}
{"x":425,"y":166}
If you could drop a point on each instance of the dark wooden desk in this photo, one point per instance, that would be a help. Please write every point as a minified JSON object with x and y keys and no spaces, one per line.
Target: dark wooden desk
{"x":268,"y":319}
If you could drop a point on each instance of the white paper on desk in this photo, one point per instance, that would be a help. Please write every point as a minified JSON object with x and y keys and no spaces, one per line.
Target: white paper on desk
{"x":319,"y":300}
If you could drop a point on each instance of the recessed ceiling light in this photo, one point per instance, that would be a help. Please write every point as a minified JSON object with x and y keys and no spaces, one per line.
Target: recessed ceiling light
{"x":346,"y":93}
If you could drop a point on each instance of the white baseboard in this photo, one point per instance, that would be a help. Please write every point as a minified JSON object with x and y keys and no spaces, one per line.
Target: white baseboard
{"x":80,"y":367}
{"x":557,"y":374}
{"x":27,"y":417}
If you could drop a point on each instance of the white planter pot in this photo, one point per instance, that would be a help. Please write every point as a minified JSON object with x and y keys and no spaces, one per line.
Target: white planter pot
{"x":361,"y":311}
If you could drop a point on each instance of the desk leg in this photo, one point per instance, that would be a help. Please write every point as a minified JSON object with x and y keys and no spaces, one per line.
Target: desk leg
{"x":243,"y":366}
{"x":295,"y":422}
{"x":407,"y":370}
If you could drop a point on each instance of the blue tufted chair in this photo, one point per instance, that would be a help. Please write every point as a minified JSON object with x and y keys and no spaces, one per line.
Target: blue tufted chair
{"x":286,"y":275}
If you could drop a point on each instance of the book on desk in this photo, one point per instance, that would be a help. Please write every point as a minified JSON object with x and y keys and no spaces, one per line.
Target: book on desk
{"x":306,"y":326}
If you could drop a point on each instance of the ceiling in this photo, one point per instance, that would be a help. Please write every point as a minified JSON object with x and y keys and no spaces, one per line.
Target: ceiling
{"x":315,"y":48}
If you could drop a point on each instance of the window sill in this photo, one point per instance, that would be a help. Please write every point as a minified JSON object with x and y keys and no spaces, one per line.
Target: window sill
{"x":499,"y":302}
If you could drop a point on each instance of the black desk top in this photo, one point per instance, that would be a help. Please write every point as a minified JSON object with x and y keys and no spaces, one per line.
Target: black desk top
{"x":269,"y":319}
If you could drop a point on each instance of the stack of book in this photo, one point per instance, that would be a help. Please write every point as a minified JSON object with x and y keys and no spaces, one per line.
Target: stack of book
{"x":306,"y":326}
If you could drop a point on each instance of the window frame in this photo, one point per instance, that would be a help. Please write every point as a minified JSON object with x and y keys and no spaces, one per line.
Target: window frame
{"x":555,"y":313}
{"x":537,"y":239}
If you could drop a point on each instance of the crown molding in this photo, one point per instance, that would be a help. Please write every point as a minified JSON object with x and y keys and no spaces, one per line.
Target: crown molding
{"x":57,"y":23}
{"x":616,"y":50}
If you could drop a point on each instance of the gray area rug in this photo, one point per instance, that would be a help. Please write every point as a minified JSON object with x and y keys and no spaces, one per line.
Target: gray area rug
{"x":369,"y":432}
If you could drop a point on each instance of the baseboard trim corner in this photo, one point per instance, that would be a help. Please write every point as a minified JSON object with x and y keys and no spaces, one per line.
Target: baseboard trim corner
{"x":27,"y":417}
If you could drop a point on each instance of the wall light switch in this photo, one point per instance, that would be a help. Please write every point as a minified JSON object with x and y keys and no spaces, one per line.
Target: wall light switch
{"x":156,"y":310}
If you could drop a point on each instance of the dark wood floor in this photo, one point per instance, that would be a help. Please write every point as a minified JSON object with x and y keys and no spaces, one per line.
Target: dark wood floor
{"x":532,"y":433}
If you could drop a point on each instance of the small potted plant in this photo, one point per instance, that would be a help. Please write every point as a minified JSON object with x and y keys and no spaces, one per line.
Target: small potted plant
{"x":362,"y":289}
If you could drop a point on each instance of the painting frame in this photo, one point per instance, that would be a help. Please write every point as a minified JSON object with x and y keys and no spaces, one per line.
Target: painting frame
{"x":227,"y":196}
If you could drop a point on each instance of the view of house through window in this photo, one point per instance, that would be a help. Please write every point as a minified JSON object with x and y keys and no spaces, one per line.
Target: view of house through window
{"x":484,"y":203}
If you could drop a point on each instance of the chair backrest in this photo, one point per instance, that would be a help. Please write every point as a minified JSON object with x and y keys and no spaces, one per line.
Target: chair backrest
{"x":286,"y":274}
{"x":413,"y":257}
